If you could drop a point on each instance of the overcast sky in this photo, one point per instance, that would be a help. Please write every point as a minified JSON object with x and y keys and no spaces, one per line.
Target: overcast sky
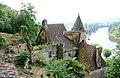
{"x":66,"y":11}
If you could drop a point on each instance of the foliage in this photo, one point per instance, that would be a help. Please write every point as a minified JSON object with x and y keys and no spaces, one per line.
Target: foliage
{"x":66,"y":68}
{"x":57,"y":69}
{"x":2,"y":41}
{"x":27,"y":18}
{"x":39,"y":57}
{"x":23,"y":56}
{"x":29,"y":66}
{"x":116,"y":51}
{"x":8,"y":19}
{"x":33,"y":42}
{"x":106,"y":53}
{"x":74,"y":67}
{"x":11,"y":20}
{"x":113,"y":65}
{"x":113,"y":68}
{"x":92,"y":27}
{"x":98,"y":46}
{"x":114,"y":33}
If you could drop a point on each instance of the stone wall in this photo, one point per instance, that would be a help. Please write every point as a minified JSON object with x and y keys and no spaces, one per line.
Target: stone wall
{"x":8,"y":70}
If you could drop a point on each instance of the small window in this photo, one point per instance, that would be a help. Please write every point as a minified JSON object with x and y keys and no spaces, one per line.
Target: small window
{"x":69,"y":54}
{"x":50,"y":54}
{"x":80,"y":28}
{"x":42,"y":34}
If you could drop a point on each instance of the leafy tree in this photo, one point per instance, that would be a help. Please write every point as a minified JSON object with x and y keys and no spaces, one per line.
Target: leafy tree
{"x":116,"y":51}
{"x":23,"y":32}
{"x":114,"y":33}
{"x":8,"y":19}
{"x":27,"y":18}
{"x":106,"y":53}
{"x":113,"y":65}
{"x":113,"y":68}
{"x":11,"y":20}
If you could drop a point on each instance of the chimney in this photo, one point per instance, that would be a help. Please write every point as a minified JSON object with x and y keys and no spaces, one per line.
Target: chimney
{"x":44,"y":22}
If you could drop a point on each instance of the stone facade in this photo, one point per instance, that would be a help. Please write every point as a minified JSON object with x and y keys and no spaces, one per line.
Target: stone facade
{"x":8,"y":70}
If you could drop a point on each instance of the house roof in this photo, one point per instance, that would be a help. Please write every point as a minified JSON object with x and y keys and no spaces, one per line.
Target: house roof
{"x":87,"y":56}
{"x":55,"y":34}
{"x":78,"y":25}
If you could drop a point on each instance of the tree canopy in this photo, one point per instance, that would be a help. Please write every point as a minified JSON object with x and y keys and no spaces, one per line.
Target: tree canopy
{"x":11,"y":20}
{"x":106,"y":53}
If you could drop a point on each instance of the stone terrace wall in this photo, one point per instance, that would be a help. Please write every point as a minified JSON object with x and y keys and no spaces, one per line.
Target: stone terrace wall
{"x":8,"y":70}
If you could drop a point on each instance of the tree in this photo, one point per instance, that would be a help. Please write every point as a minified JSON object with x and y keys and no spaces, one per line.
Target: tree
{"x":11,"y":20}
{"x":116,"y":51}
{"x":113,"y":68}
{"x":113,"y":65}
{"x":23,"y":32}
{"x":106,"y":53}
{"x":8,"y":19}
{"x":27,"y":18}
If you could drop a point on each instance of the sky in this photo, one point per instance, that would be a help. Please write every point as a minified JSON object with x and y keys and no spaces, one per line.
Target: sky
{"x":66,"y":11}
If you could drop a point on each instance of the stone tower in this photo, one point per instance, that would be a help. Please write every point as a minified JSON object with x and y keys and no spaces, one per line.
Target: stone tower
{"x":77,"y":34}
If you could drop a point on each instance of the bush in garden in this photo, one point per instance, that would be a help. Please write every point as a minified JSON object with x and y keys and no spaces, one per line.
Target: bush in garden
{"x":66,"y":68}
{"x":40,"y":59}
{"x":57,"y":69}
{"x":23,"y":56}
{"x":74,"y":67}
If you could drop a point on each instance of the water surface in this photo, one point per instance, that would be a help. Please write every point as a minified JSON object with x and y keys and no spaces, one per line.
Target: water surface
{"x":101,"y":37}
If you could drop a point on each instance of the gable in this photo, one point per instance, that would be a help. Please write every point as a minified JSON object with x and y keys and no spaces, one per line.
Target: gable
{"x":43,"y":37}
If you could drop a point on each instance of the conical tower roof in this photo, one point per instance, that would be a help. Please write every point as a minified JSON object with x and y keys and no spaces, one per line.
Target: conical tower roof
{"x":78,"y":25}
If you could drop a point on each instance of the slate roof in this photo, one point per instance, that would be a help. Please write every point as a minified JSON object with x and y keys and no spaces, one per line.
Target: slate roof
{"x":78,"y":25}
{"x":55,"y":34}
{"x":87,"y":56}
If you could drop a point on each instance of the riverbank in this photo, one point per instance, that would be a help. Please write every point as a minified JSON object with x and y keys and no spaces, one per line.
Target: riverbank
{"x":113,"y":38}
{"x":101,"y":37}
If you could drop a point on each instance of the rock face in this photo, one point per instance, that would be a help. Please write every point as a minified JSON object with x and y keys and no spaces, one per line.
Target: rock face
{"x":99,"y":73}
{"x":8,"y":70}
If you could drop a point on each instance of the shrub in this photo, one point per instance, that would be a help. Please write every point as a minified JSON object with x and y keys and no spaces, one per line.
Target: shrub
{"x":106,"y":53}
{"x":33,"y":42}
{"x":97,"y":46}
{"x":23,"y":56}
{"x":2,"y":41}
{"x":57,"y":69}
{"x":40,"y":59}
{"x":29,"y":66}
{"x":66,"y":68}
{"x":113,"y":68}
{"x":74,"y":67}
{"x":39,"y":56}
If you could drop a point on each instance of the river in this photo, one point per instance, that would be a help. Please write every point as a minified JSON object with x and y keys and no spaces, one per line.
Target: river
{"x":101,"y":37}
